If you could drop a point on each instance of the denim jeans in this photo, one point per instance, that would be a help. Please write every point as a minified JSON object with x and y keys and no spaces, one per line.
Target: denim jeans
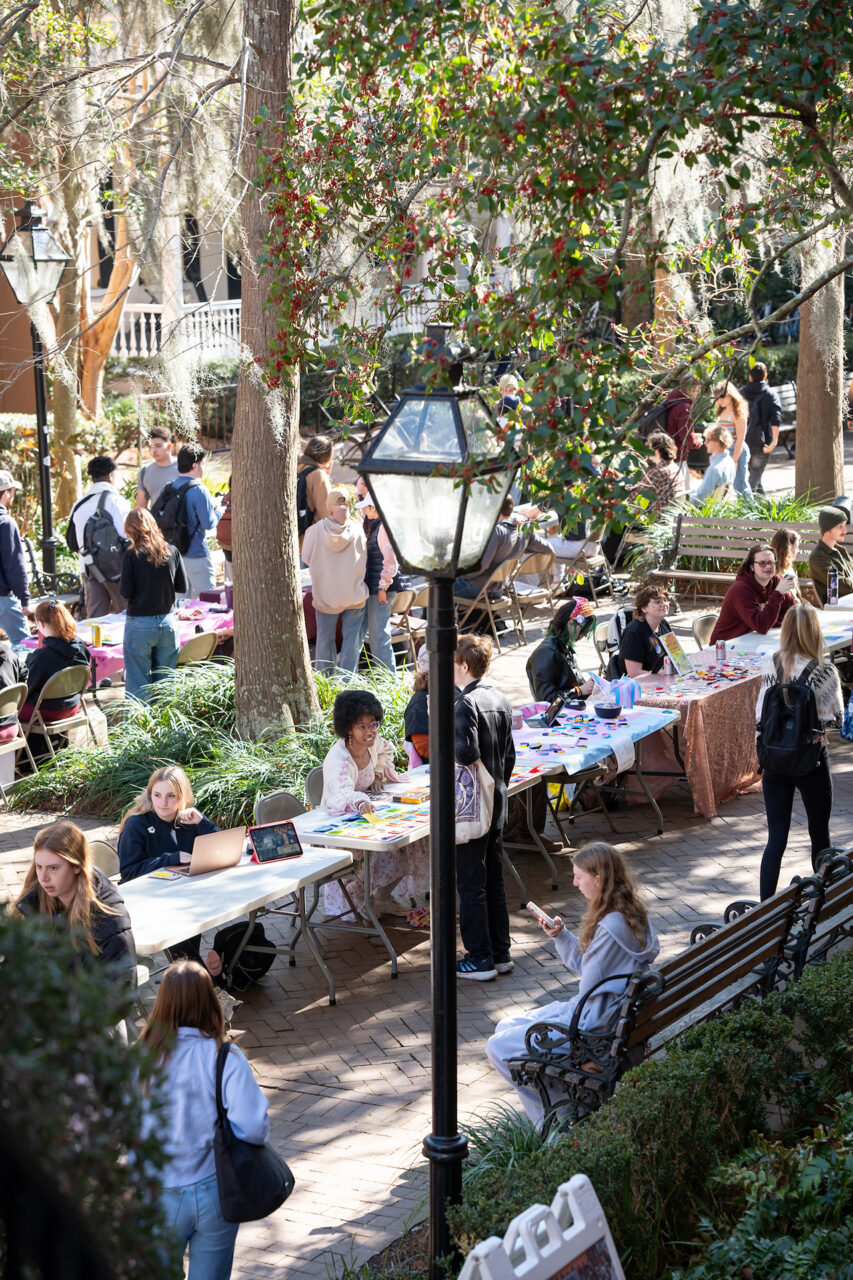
{"x":325,"y":651}
{"x":194,"y":1215}
{"x":150,"y":647}
{"x":377,"y":625}
{"x":466,"y":589}
{"x":12,"y":619}
{"x":742,"y":471}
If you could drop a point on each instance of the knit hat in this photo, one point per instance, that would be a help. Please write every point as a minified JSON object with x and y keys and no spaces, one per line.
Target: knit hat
{"x":829,"y":517}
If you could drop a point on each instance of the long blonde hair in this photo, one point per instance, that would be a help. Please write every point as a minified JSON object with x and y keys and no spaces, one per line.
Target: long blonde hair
{"x":617,"y":891}
{"x":741,"y":408}
{"x":186,"y":998}
{"x":68,"y":842}
{"x":168,"y":773}
{"x":801,"y":638}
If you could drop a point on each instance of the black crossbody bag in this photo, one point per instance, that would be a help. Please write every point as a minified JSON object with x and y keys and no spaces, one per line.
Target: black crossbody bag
{"x":253,"y":1180}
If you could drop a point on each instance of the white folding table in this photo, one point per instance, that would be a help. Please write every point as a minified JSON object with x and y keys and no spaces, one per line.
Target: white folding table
{"x":165,"y":911}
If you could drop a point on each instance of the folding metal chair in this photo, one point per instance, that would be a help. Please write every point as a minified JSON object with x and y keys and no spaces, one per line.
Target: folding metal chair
{"x":526,"y":595}
{"x":493,"y":607}
{"x":11,"y":701}
{"x":65,"y":684}
{"x":198,"y":649}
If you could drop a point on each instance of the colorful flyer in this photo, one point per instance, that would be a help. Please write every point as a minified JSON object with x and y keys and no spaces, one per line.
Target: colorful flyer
{"x":680,"y":660}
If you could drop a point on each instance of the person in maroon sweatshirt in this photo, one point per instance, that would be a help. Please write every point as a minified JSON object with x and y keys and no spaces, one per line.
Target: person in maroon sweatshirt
{"x":757,"y":600}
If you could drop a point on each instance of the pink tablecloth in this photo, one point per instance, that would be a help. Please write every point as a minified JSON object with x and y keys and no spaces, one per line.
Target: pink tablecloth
{"x":716,"y":739}
{"x":109,"y":658}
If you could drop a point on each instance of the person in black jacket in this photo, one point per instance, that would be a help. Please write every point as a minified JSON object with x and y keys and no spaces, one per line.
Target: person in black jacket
{"x":14,"y":588}
{"x":60,"y":648}
{"x":483,"y":732}
{"x":159,"y":830}
{"x":63,"y":883}
{"x":765,"y":418}
{"x":152,"y":574}
{"x":12,"y":671}
{"x":551,"y":668}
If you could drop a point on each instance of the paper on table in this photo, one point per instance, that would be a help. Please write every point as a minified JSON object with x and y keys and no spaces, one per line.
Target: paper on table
{"x":623,"y":749}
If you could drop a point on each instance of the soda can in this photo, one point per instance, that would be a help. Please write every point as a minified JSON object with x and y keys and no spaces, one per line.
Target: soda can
{"x":96,"y":634}
{"x":667,"y":666}
{"x":720,"y":651}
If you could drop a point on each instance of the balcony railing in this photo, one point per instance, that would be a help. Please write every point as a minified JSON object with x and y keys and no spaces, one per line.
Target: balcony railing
{"x":211,"y":330}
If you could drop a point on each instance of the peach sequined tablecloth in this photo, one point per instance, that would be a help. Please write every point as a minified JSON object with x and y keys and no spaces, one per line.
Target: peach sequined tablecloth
{"x":716,"y":739}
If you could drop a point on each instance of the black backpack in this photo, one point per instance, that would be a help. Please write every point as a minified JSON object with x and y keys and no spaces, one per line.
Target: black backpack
{"x":102,"y":541}
{"x":305,"y":513}
{"x":252,"y":965}
{"x":169,"y":509}
{"x":654,"y":420}
{"x":790,"y":735}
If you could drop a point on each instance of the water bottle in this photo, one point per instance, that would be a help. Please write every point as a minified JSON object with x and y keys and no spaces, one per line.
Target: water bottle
{"x":832,"y":587}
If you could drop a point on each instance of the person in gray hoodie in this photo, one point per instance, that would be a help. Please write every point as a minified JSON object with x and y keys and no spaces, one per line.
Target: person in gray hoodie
{"x":615,"y":939}
{"x":335,"y":551}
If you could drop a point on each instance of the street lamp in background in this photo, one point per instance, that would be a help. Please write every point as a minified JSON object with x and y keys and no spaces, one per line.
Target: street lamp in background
{"x":33,"y":260}
{"x":438,"y":476}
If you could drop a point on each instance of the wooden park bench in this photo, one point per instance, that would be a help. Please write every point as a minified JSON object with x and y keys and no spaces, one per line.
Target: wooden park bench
{"x":714,"y":547}
{"x":787,"y":396}
{"x":575,"y":1071}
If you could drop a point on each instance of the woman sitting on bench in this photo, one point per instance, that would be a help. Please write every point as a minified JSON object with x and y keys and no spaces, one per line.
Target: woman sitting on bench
{"x":615,"y":939}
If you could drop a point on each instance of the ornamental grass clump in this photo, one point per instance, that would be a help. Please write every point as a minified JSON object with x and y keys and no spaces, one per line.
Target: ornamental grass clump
{"x":191,"y":722}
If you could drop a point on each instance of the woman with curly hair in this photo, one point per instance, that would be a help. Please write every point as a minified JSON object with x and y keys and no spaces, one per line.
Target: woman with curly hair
{"x":355,"y":770}
{"x":733,"y":412}
{"x":615,"y":939}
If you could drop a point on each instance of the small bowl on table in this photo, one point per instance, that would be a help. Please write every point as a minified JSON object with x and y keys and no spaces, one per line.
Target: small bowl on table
{"x":604,"y":712}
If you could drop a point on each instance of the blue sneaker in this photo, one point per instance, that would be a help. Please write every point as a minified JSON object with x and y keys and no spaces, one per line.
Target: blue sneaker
{"x":476,"y":970}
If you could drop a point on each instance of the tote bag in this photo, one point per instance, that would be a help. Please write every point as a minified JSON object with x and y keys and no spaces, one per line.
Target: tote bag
{"x":475,"y":801}
{"x":252,"y":1180}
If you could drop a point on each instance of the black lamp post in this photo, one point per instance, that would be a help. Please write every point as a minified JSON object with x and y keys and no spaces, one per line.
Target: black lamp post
{"x":438,"y":476}
{"x":33,"y":261}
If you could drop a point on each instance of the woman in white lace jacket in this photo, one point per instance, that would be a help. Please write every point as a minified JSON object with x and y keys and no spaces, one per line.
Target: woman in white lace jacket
{"x":800,"y":646}
{"x":355,"y":770}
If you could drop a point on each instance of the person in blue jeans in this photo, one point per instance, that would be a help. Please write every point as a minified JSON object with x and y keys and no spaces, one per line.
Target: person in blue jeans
{"x":382,"y":579}
{"x":184,"y":1032}
{"x":14,"y":588}
{"x":201,"y":519}
{"x":335,"y":551}
{"x":733,"y":413}
{"x":152,"y":574}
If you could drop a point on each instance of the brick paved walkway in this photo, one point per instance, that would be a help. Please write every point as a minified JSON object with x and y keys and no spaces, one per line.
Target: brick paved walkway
{"x":349,"y":1086}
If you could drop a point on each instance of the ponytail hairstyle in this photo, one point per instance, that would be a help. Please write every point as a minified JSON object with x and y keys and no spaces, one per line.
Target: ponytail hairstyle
{"x":186,"y":998}
{"x":53,"y":614}
{"x":145,"y":536}
{"x":67,"y":841}
{"x":617,"y":891}
{"x":801,"y":638}
{"x":168,"y":773}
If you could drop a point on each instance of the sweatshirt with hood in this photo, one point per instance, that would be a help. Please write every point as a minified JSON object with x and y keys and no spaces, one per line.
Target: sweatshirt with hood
{"x":613,"y":950}
{"x":53,"y":656}
{"x":336,"y":555}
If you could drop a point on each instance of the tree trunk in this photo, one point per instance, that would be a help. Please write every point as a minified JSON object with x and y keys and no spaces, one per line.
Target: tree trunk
{"x":635,"y":301}
{"x":64,"y":478}
{"x":96,"y":342}
{"x":820,"y":380}
{"x":274,"y":680}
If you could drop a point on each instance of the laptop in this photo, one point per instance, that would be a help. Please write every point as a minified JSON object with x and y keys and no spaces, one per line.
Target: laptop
{"x":214,"y":852}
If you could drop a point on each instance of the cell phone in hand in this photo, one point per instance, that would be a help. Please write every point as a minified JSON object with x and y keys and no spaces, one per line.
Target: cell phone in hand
{"x":540,"y":914}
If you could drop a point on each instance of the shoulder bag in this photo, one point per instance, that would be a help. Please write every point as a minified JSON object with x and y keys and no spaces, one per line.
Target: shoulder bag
{"x":252,"y":1180}
{"x":475,"y":801}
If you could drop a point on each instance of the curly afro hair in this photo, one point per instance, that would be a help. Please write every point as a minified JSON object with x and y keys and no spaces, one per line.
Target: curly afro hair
{"x":350,"y":706}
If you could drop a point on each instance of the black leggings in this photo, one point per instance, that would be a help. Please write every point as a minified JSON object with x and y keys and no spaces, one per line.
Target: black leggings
{"x":815,"y":788}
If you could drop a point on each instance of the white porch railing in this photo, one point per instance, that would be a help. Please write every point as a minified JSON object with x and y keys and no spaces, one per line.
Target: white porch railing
{"x":210,"y":330}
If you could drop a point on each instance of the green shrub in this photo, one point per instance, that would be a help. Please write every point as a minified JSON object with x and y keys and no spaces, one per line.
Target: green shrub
{"x":192,"y":723}
{"x":674,"y":1118}
{"x":69,"y":1092}
{"x":784,"y":1213}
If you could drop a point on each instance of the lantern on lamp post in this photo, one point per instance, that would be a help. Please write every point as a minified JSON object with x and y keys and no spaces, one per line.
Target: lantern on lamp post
{"x":438,"y":475}
{"x":33,"y":260}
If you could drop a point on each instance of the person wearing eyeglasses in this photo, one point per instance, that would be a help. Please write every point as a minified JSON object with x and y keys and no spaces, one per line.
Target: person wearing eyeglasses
{"x":355,"y":772}
{"x":758,"y":599}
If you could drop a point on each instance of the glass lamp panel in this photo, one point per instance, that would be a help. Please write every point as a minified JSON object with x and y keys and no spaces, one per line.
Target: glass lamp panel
{"x":421,"y":515}
{"x":479,"y":429}
{"x":481,"y":516}
{"x":423,"y":428}
{"x":50,"y":259}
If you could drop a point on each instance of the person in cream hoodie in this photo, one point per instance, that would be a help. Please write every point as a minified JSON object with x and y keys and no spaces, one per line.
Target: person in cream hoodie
{"x":335,"y":550}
